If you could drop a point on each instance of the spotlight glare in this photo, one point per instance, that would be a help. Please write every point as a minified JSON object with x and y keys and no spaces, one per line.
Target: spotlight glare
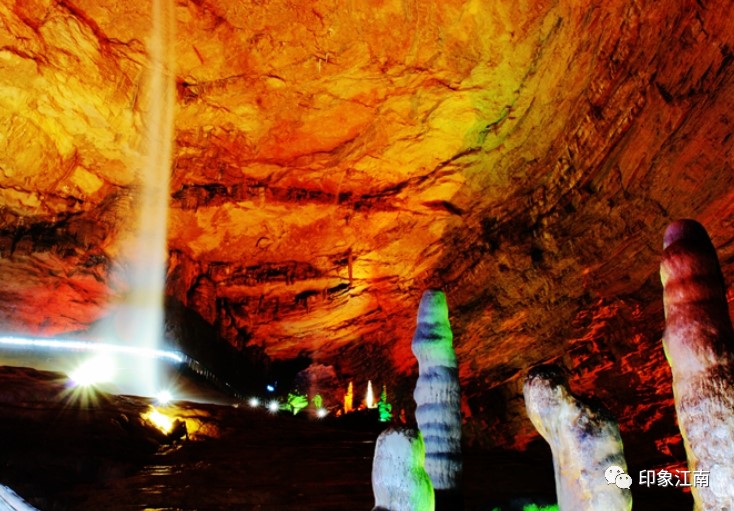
{"x":164,"y":397}
{"x":273,"y":406}
{"x":321,"y":413}
{"x":254,"y":402}
{"x":96,"y":370}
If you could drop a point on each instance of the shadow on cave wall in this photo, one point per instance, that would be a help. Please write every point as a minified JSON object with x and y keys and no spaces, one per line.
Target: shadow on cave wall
{"x":245,"y":371}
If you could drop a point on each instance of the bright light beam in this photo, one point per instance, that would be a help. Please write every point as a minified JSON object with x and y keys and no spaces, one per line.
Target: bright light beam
{"x":73,"y":345}
{"x":96,"y":370}
{"x":164,"y":397}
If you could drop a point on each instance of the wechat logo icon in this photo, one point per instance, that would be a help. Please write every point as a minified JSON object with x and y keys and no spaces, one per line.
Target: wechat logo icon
{"x":615,"y":475}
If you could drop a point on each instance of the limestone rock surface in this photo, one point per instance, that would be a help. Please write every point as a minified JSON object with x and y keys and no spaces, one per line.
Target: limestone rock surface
{"x":334,"y":159}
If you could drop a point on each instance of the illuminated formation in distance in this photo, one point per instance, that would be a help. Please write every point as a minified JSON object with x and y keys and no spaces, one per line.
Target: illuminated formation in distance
{"x":349,"y":399}
{"x":584,"y":441}
{"x":699,"y":345}
{"x":437,"y":393}
{"x":370,"y":397}
{"x":383,"y":407}
{"x":399,"y":480}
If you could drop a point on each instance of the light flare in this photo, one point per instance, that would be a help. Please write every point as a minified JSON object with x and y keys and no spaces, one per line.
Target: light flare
{"x":254,"y":402}
{"x":164,"y":397}
{"x":273,"y":406}
{"x":99,"y":369}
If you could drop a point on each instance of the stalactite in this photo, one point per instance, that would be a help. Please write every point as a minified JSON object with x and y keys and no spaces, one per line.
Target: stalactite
{"x":437,"y":393}
{"x":399,"y":480}
{"x":584,"y":440}
{"x":699,"y":346}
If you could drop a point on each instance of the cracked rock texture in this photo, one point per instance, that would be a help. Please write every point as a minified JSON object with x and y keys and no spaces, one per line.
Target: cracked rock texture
{"x":334,"y":159}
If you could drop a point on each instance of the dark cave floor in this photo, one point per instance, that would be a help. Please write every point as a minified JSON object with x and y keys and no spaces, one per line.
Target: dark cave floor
{"x":61,"y":455}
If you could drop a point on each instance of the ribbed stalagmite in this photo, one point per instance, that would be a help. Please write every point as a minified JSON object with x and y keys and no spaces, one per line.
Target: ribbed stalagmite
{"x":699,"y":345}
{"x":437,"y":393}
{"x":584,"y":440}
{"x":399,"y":480}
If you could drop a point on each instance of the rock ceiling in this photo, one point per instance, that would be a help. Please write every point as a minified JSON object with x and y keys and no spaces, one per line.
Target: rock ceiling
{"x":333,"y":159}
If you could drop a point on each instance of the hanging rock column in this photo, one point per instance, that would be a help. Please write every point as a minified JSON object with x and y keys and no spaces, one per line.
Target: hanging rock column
{"x":584,"y":440}
{"x":438,"y":398}
{"x":399,"y":480}
{"x":699,"y":346}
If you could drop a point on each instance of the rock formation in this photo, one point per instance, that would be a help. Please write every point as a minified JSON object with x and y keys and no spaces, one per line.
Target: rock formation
{"x":584,"y":440}
{"x":437,"y":392}
{"x":699,"y":344}
{"x":399,"y":480}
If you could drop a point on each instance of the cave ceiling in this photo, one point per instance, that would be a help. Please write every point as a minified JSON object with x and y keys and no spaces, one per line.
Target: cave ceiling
{"x":333,"y":159}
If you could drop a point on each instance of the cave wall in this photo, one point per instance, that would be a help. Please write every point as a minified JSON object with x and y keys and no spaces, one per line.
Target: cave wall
{"x":333,"y":159}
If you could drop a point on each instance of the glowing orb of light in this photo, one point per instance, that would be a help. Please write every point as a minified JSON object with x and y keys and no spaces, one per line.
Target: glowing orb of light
{"x":273,"y":406}
{"x":254,"y":402}
{"x":164,"y":397}
{"x":321,"y":413}
{"x":99,"y":369}
{"x":270,"y":388}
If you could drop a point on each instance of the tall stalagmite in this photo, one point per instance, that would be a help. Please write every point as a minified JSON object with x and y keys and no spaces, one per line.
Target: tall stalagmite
{"x":699,"y":345}
{"x":399,"y":480}
{"x":584,"y":440}
{"x":437,"y":393}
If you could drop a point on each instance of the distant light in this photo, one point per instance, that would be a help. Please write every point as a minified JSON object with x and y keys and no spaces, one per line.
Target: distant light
{"x":70,"y":344}
{"x":370,"y":398}
{"x":321,"y":413}
{"x":270,"y":388}
{"x":164,"y":397}
{"x":254,"y":402}
{"x":273,"y":406}
{"x":96,"y":370}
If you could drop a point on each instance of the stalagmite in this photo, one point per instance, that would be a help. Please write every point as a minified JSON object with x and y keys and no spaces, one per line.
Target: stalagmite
{"x":437,"y":393}
{"x":399,"y":481}
{"x":584,"y":440}
{"x":699,"y":345}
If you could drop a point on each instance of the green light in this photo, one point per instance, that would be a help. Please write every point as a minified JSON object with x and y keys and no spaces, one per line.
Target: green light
{"x":383,"y":407}
{"x":295,"y":403}
{"x":318,"y":401}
